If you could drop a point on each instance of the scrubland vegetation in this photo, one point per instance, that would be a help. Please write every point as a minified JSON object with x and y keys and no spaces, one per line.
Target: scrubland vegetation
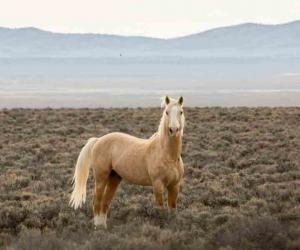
{"x":241,"y":185}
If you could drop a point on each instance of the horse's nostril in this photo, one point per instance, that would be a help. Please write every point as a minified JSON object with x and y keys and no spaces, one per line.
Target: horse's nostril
{"x":170,"y":130}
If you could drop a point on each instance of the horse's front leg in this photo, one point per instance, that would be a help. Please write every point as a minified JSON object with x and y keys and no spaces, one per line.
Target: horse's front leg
{"x":158,"y":190}
{"x":173,"y":191}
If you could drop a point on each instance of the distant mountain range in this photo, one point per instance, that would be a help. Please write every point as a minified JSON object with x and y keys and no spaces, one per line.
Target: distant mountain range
{"x":247,"y":40}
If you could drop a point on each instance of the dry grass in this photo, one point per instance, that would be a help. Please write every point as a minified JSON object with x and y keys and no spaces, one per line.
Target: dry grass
{"x":241,"y":186}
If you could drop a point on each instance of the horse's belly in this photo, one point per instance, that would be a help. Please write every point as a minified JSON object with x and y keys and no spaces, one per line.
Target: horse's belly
{"x":135,"y":174}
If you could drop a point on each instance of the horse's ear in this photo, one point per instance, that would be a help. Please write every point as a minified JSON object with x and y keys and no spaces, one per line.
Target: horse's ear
{"x":167,"y":100}
{"x":180,"y":100}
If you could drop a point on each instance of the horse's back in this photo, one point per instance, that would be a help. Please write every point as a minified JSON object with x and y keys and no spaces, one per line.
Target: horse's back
{"x":119,"y":140}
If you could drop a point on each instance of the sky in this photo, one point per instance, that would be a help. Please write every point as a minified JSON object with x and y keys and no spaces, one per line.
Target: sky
{"x":155,"y":18}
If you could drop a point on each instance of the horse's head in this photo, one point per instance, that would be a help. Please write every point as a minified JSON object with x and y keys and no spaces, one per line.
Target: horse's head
{"x":173,"y":116}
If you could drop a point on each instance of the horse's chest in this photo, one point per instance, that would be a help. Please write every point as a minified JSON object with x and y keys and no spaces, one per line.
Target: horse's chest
{"x":173,"y":173}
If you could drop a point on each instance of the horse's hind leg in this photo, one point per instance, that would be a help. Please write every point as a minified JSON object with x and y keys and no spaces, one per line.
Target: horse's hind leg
{"x":111,"y":188}
{"x":101,"y":179}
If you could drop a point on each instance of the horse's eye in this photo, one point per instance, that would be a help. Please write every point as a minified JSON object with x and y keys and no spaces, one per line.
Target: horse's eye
{"x":167,"y":113}
{"x":181,"y":112}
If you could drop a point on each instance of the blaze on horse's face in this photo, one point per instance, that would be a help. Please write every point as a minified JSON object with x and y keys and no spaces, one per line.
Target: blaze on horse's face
{"x":174,"y":117}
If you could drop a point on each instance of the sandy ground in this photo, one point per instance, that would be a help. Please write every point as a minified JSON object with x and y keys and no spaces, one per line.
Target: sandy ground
{"x":95,"y":100}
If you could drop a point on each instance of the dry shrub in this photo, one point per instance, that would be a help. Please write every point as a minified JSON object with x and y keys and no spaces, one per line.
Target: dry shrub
{"x":34,"y":239}
{"x":252,"y":233}
{"x":240,"y":188}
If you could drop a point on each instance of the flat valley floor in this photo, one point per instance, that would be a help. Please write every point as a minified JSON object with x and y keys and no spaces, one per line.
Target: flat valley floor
{"x":241,"y":186}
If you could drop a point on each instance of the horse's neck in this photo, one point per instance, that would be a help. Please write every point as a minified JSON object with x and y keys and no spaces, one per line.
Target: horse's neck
{"x":170,"y":145}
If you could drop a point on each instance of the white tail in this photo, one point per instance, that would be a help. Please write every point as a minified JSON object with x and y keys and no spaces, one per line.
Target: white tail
{"x":81,"y":175}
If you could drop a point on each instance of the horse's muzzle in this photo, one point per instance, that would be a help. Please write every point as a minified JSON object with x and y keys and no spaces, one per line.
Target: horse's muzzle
{"x":173,"y":131}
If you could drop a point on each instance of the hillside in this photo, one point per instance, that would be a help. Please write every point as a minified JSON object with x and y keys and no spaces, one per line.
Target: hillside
{"x":244,"y":40}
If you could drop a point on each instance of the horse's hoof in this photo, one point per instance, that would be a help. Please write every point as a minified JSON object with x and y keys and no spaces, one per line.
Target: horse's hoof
{"x":161,"y":211}
{"x":99,"y":227}
{"x":100,"y":221}
{"x":172,"y":211}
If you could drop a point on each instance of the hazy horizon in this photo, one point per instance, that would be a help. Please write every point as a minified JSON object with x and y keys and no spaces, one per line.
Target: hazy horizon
{"x":146,"y":36}
{"x":223,"y":53}
{"x":144,"y":18}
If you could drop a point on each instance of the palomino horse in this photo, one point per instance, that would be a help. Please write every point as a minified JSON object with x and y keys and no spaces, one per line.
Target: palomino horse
{"x":149,"y":162}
